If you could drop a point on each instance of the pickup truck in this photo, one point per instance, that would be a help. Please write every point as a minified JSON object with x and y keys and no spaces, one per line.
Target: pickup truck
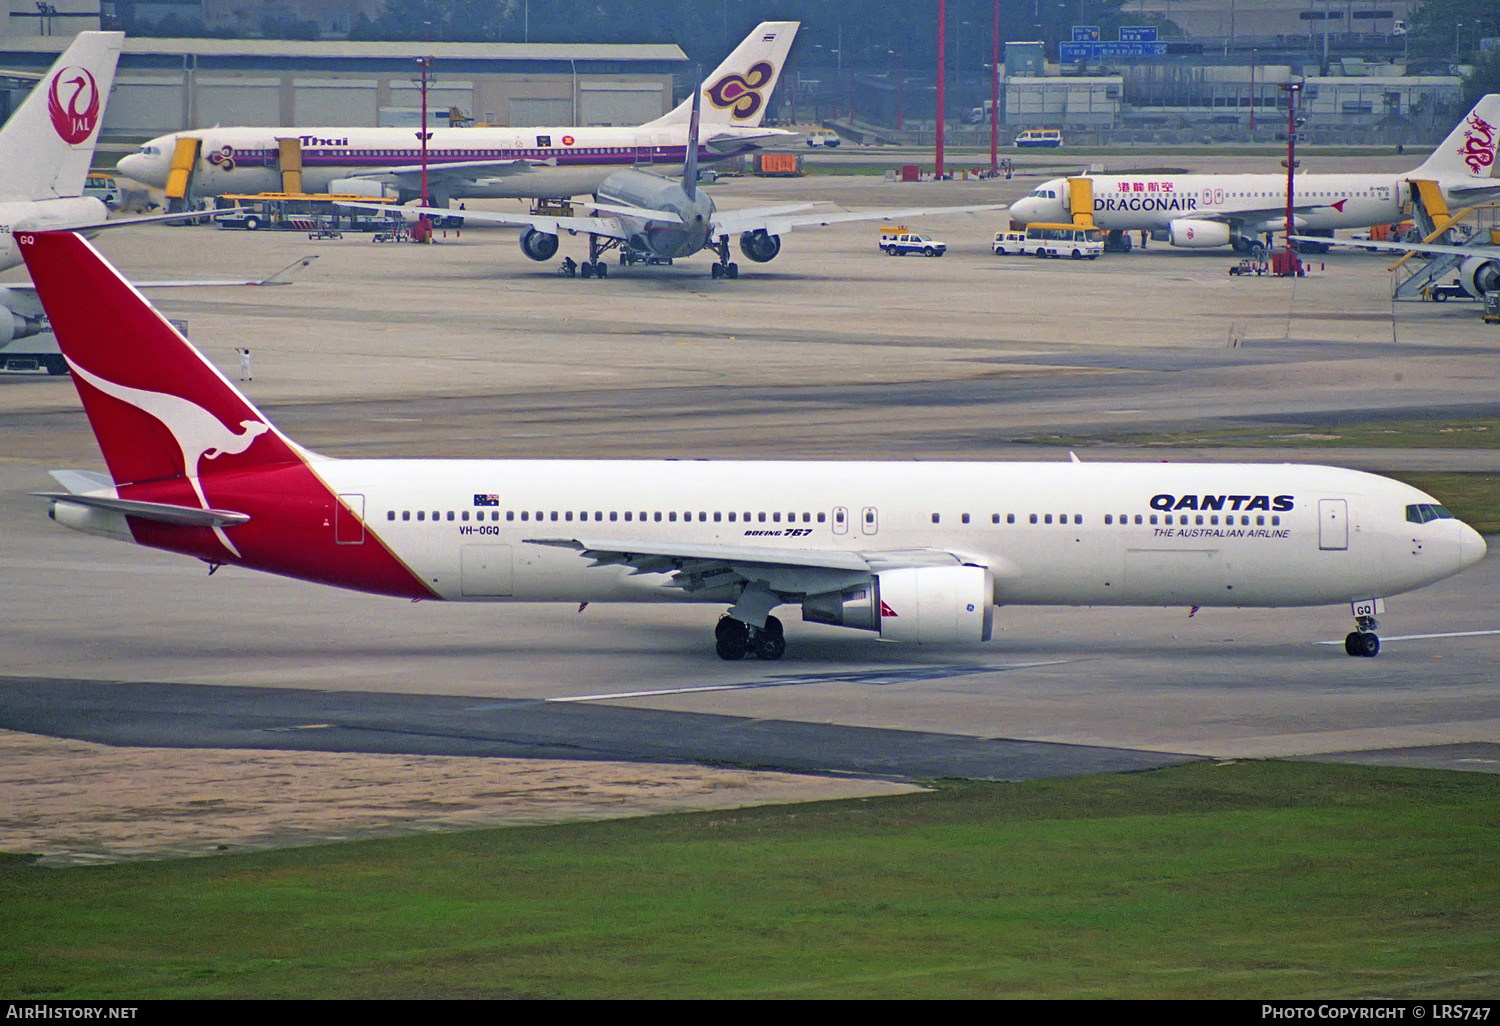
{"x":902,"y":242}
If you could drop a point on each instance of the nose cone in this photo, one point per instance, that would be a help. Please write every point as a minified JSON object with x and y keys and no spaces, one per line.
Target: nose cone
{"x":1471,"y":547}
{"x":136,"y":168}
{"x":1024,"y":210}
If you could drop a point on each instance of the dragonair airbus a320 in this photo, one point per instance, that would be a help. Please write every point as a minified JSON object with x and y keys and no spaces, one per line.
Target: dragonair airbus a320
{"x":916,"y":552}
{"x":1200,"y":211}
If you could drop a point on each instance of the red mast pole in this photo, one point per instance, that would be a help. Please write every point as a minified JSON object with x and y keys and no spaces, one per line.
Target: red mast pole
{"x":1292,"y":89}
{"x":995,"y":96}
{"x":942,"y":74}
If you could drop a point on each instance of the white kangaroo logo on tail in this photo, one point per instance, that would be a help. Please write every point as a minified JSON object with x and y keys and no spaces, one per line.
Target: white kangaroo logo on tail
{"x":198,"y":433}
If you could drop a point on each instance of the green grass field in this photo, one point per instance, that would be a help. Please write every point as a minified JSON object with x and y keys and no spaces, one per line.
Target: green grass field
{"x":1240,"y":880}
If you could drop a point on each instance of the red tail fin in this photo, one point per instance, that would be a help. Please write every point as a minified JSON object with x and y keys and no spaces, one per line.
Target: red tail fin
{"x":158,"y":407}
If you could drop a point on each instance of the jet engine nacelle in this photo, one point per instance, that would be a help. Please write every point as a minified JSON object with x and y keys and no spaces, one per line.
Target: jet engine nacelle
{"x":13,"y":323}
{"x":760,"y":246}
{"x":931,"y":604}
{"x":357,"y":187}
{"x":1197,"y":234}
{"x":1479,"y":275}
{"x":538,"y":245}
{"x":14,"y":326}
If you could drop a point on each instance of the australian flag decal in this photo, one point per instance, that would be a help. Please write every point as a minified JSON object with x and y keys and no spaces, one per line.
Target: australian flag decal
{"x":486,"y":500}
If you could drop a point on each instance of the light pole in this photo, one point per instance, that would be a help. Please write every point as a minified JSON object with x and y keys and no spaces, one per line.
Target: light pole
{"x":942,"y":74}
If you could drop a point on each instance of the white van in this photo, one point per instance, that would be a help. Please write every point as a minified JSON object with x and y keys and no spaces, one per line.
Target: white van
{"x":1008,"y":242}
{"x":1059,"y":240}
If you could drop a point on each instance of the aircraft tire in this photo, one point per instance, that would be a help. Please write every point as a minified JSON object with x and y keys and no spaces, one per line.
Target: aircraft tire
{"x":1369,"y":645}
{"x":770,"y":647}
{"x":731,"y":270}
{"x":586,"y":270}
{"x":1351,"y":643}
{"x":731,"y":639}
{"x":716,"y":271}
{"x":601,"y":270}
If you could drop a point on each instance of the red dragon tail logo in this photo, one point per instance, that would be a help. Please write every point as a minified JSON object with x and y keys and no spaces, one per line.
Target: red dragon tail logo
{"x":1479,"y":145}
{"x":76,"y":118}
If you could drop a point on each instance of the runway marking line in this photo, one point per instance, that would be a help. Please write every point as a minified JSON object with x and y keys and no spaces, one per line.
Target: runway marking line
{"x":880,"y":677}
{"x":1422,"y":637}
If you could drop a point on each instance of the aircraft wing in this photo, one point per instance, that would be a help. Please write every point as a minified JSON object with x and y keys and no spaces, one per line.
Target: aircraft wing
{"x":1406,"y":247}
{"x":725,"y":142}
{"x":551,"y":224}
{"x":779,"y":220}
{"x":1257,"y":215}
{"x":784,"y":571}
{"x":281,"y":277}
{"x":456,"y":172}
{"x":44,"y":224}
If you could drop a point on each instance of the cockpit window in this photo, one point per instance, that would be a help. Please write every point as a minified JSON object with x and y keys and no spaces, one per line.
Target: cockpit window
{"x":1422,"y":512}
{"x":149,"y":151}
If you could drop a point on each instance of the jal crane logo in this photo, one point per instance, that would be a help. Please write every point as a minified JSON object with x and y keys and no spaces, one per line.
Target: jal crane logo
{"x":73,"y":103}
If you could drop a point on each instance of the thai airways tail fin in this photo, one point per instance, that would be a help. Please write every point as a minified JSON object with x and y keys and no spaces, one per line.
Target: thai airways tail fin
{"x":738,"y":90}
{"x":1469,"y":150}
{"x":48,"y":144}
{"x":158,"y":407}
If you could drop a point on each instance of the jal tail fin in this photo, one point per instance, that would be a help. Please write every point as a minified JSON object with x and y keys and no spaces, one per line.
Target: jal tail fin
{"x":1469,"y":150}
{"x":690,"y":166}
{"x":739,"y":89}
{"x":48,"y":144}
{"x":159,"y":409}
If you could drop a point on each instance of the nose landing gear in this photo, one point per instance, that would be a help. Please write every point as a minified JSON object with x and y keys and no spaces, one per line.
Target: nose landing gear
{"x":1362,"y":641}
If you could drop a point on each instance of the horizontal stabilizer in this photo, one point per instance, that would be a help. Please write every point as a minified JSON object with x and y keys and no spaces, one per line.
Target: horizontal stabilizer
{"x":162,"y":512}
{"x":82,"y":481}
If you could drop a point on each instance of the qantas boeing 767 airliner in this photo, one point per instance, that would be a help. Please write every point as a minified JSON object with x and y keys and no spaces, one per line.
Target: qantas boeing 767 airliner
{"x":920,"y":552}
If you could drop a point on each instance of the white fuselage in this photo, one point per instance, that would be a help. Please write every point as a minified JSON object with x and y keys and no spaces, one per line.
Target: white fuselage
{"x":1250,"y":203}
{"x":42,"y":214}
{"x":547,"y":162}
{"x":1054,"y":533}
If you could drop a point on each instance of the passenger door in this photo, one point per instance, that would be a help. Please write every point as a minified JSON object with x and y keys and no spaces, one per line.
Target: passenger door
{"x":1333,"y":525}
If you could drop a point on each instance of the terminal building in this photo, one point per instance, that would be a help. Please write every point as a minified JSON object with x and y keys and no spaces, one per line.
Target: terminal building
{"x":165,"y":85}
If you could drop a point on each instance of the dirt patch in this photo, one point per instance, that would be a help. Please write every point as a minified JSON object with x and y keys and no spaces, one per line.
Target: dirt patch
{"x":72,"y":802}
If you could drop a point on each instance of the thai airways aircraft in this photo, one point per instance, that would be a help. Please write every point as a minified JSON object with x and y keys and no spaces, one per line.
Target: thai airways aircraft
{"x":515,"y":163}
{"x":1200,"y":211}
{"x":919,"y":552}
{"x":655,"y":220}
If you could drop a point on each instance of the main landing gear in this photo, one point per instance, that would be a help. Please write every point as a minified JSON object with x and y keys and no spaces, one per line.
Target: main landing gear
{"x":1362,"y":641}
{"x":734,"y":639}
{"x":723,"y":268}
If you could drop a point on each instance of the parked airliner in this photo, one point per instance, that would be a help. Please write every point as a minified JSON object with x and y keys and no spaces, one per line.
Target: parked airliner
{"x":918,"y":552}
{"x":555,"y":163}
{"x":1200,"y":211}
{"x":656,"y":220}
